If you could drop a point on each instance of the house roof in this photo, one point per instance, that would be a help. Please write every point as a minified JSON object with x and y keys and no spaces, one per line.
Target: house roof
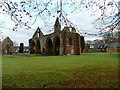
{"x":7,"y":38}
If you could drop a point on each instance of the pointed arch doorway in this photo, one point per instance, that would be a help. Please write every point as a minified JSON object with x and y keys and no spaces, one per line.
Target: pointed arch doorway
{"x":38,"y":48}
{"x":57,"y":46}
{"x":49,"y":47}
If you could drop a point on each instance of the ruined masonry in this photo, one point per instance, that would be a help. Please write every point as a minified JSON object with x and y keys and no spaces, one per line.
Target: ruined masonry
{"x":6,"y":46}
{"x":61,"y":42}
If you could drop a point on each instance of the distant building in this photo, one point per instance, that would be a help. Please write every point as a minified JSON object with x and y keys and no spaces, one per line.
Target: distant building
{"x":113,"y":47}
{"x":6,"y":46}
{"x":16,"y":49}
{"x":89,"y":46}
{"x":26,"y":49}
{"x":95,"y":46}
{"x":101,"y":46}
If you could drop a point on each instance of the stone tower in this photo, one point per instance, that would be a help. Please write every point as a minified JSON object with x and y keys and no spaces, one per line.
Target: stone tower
{"x":57,"y":26}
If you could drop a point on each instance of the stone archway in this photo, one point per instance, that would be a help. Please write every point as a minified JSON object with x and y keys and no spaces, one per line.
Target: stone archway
{"x":49,"y":47}
{"x":57,"y":46}
{"x":38,"y":47}
{"x":32,"y":47}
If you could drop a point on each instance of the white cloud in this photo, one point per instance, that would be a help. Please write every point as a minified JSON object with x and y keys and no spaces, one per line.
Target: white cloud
{"x":83,"y":21}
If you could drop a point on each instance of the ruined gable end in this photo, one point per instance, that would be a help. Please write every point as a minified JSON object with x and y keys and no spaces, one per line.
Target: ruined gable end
{"x":38,"y":33}
{"x":7,"y":46}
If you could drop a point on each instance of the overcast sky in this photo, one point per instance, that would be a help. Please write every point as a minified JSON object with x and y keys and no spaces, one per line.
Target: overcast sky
{"x":82,"y":19}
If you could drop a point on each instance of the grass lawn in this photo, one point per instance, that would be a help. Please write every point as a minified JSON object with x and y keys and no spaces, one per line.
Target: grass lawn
{"x":89,"y":70}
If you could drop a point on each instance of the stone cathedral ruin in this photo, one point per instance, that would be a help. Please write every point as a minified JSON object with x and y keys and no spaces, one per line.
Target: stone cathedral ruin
{"x":60,"y":42}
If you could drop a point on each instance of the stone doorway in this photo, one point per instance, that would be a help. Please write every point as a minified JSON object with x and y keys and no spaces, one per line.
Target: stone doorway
{"x":38,"y":48}
{"x":32,"y":47}
{"x":49,"y":47}
{"x":57,"y":46}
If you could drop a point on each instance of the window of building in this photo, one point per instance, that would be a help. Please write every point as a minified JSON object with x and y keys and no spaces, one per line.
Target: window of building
{"x":38,"y":35}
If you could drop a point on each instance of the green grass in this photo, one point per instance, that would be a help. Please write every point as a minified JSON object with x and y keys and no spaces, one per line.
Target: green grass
{"x":89,"y":70}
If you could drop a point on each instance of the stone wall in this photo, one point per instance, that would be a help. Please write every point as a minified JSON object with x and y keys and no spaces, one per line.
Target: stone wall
{"x":113,"y":50}
{"x":7,"y":46}
{"x":61,"y":42}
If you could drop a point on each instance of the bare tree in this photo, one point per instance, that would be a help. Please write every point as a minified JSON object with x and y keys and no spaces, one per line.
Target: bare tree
{"x":23,"y":13}
{"x":109,"y":37}
{"x":110,"y":17}
{"x":26,"y":12}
